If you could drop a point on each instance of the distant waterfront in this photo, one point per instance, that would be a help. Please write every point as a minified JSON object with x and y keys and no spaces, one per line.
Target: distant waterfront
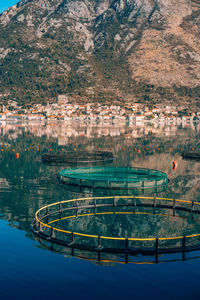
{"x":96,"y":113}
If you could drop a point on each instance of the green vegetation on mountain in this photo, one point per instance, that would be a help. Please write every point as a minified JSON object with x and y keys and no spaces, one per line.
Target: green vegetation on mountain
{"x":101,"y":51}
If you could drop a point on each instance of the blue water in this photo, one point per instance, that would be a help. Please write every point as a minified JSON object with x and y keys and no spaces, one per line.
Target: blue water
{"x":30,"y":271}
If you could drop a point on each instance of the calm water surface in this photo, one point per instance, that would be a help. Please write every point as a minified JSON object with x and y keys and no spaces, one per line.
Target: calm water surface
{"x":34,"y":270}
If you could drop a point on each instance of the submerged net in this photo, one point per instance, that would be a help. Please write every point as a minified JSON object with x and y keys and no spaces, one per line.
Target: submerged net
{"x":114,"y":177}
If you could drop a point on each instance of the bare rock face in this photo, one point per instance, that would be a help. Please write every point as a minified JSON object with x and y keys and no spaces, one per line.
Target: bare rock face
{"x":118,"y":49}
{"x":170,"y":56}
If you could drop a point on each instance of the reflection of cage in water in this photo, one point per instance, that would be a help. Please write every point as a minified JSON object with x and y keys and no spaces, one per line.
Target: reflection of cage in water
{"x":114,"y":178}
{"x":110,"y":258}
{"x":96,"y":206}
{"x":97,"y":191}
{"x":78,"y":157}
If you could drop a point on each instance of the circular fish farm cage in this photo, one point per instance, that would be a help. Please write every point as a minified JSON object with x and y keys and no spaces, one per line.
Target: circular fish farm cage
{"x":78,"y":157}
{"x":114,"y":178}
{"x":57,"y":223}
{"x":191,"y":155}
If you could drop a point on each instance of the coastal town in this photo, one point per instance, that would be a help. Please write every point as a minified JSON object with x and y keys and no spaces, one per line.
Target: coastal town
{"x":131,"y":113}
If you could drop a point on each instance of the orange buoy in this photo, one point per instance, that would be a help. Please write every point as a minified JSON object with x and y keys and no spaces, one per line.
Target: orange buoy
{"x":13,"y":150}
{"x":17,"y":155}
{"x":138,"y":151}
{"x":1,"y":150}
{"x":192,"y":149}
{"x":174,"y":165}
{"x":147,"y":149}
{"x":74,"y":149}
{"x":63,"y":149}
{"x":135,"y":149}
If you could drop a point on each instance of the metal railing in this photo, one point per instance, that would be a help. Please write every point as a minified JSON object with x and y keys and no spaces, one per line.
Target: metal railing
{"x":45,"y":230}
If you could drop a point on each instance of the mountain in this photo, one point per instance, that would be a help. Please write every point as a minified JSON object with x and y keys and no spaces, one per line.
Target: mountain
{"x":105,"y":50}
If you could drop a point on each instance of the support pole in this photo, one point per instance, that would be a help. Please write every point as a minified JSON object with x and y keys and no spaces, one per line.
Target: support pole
{"x":40,"y":227}
{"x":60,"y":207}
{"x":114,"y":205}
{"x":72,"y":240}
{"x":183,"y":242}
{"x":192,"y":207}
{"x":126,"y":245}
{"x":174,"y":207}
{"x":126,"y":258}
{"x":77,"y":206}
{"x":99,"y":243}
{"x":52,"y":233}
{"x":156,"y":245}
{"x":47,"y":210}
{"x":154,"y":202}
{"x":134,"y":202}
{"x":95,"y":206}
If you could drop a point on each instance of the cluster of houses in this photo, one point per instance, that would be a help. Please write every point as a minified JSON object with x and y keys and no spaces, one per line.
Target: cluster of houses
{"x":96,"y":112}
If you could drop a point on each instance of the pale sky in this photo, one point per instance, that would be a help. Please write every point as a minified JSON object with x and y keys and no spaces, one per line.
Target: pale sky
{"x":6,"y":3}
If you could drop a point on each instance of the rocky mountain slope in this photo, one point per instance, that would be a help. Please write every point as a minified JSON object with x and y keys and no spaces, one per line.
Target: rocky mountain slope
{"x":119,"y":50}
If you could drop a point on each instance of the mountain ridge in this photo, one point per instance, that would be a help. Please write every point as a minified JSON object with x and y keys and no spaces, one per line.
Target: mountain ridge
{"x":112,"y":50}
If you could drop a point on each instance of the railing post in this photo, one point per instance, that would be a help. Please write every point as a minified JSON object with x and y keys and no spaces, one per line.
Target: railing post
{"x":99,"y":243}
{"x":156,"y":245}
{"x":99,"y":255}
{"x":143,"y":186}
{"x":114,"y":205}
{"x":52,"y":233}
{"x":192,"y":206}
{"x":126,"y":258}
{"x":126,"y":244}
{"x":183,"y":242}
{"x":174,"y":206}
{"x":72,"y":239}
{"x":156,"y":182}
{"x":154,"y":202}
{"x":109,"y":184}
{"x":40,"y":227}
{"x":60,"y":207}
{"x":47,"y":210}
{"x":95,"y":206}
{"x":134,"y":201}
{"x":77,"y":206}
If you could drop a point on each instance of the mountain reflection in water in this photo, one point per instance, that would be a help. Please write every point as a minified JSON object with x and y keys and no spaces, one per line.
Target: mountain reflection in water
{"x":28,"y":270}
{"x":26,"y":184}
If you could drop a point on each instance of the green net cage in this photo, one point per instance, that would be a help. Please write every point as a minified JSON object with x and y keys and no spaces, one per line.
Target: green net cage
{"x":114,"y":177}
